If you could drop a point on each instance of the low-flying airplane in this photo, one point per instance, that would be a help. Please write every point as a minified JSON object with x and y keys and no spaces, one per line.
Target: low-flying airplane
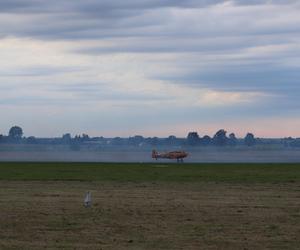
{"x":178,"y":155}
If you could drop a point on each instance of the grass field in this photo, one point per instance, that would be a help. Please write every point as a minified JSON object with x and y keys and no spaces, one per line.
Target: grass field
{"x":134,"y":172}
{"x":149,"y":206}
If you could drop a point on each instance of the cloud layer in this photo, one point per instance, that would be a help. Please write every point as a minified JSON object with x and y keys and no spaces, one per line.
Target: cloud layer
{"x":151,"y":62}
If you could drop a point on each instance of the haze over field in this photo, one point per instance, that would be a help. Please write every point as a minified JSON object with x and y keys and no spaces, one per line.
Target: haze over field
{"x":156,"y":68}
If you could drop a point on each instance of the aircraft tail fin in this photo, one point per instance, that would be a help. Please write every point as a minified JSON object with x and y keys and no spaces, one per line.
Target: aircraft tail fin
{"x":154,"y":154}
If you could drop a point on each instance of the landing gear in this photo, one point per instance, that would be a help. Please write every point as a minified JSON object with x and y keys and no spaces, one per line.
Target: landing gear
{"x":179,"y":160}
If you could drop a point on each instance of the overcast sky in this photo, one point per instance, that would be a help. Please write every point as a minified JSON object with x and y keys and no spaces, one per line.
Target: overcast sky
{"x":150,"y":67}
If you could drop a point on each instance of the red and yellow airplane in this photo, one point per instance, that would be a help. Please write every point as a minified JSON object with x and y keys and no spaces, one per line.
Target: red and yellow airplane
{"x":178,"y":155}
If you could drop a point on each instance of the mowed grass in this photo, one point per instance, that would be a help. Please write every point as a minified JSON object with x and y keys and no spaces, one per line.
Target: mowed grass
{"x":151,"y":172}
{"x":149,"y":206}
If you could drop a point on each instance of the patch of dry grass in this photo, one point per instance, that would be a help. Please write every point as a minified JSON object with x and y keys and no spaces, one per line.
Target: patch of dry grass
{"x":51,"y":215}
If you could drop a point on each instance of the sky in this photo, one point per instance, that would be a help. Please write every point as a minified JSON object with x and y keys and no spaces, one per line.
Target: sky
{"x":150,"y":67}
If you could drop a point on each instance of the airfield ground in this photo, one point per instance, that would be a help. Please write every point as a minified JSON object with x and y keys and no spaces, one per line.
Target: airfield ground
{"x":149,"y":206}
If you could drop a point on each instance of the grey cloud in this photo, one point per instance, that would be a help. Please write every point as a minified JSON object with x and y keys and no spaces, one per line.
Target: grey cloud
{"x":262,"y":77}
{"x":197,"y":44}
{"x":115,"y":7}
{"x":84,"y":19}
{"x":15,"y":5}
{"x":152,"y":27}
{"x":259,"y":2}
{"x":95,"y":6}
{"x":39,"y":71}
{"x":95,"y":92}
{"x":34,"y":101}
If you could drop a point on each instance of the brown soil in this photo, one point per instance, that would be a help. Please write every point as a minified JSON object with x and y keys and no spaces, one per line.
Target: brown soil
{"x":51,"y":215}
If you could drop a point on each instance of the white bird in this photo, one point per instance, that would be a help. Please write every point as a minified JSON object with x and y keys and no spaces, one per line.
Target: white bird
{"x":88,"y":199}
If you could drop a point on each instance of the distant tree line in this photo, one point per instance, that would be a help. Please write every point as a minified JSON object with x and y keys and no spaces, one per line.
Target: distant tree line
{"x":220,"y":139}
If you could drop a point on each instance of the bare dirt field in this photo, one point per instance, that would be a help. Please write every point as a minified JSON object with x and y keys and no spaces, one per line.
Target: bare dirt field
{"x":150,"y":215}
